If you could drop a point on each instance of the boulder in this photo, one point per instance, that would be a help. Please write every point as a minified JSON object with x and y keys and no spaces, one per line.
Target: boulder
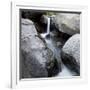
{"x":36,"y":59}
{"x":71,"y":53}
{"x":67,"y":22}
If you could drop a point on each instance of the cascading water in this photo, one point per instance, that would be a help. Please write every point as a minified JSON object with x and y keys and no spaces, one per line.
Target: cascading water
{"x":51,"y":44}
{"x":48,"y":28}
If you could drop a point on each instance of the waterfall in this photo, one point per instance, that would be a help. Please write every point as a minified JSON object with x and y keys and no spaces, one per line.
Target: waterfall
{"x":48,"y":29}
{"x":48,"y":26}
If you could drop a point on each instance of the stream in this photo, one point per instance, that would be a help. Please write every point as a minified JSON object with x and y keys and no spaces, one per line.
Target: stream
{"x":55,"y":44}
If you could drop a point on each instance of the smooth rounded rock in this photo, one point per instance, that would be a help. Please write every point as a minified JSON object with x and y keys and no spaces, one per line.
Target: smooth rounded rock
{"x":67,"y":22}
{"x":36,"y":59}
{"x":71,"y":53}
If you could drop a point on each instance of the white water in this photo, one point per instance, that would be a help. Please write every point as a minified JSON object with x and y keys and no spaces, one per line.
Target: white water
{"x":48,"y":28}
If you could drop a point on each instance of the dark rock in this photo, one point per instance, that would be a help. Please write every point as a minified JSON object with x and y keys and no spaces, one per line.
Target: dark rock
{"x":53,"y":68}
{"x":44,"y":19}
{"x":71,"y":53}
{"x":33,"y":15}
{"x":41,"y":25}
{"x":48,"y":36}
{"x":41,"y":28}
{"x":36,"y":59}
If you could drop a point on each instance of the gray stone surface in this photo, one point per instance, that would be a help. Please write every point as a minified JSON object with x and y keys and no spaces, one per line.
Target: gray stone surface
{"x":67,"y":22}
{"x":28,"y":28}
{"x":71,"y":53}
{"x":36,"y":59}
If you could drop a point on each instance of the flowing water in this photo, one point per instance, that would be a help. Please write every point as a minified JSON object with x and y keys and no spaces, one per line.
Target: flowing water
{"x":48,"y":29}
{"x":55,"y":44}
{"x":48,"y":26}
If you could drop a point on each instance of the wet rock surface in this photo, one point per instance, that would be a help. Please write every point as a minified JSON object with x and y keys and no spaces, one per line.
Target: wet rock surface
{"x":37,"y":60}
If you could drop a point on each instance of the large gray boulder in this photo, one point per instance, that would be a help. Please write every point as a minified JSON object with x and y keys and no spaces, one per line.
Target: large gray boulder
{"x":36,"y":59}
{"x":71,"y":53}
{"x":67,"y":22}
